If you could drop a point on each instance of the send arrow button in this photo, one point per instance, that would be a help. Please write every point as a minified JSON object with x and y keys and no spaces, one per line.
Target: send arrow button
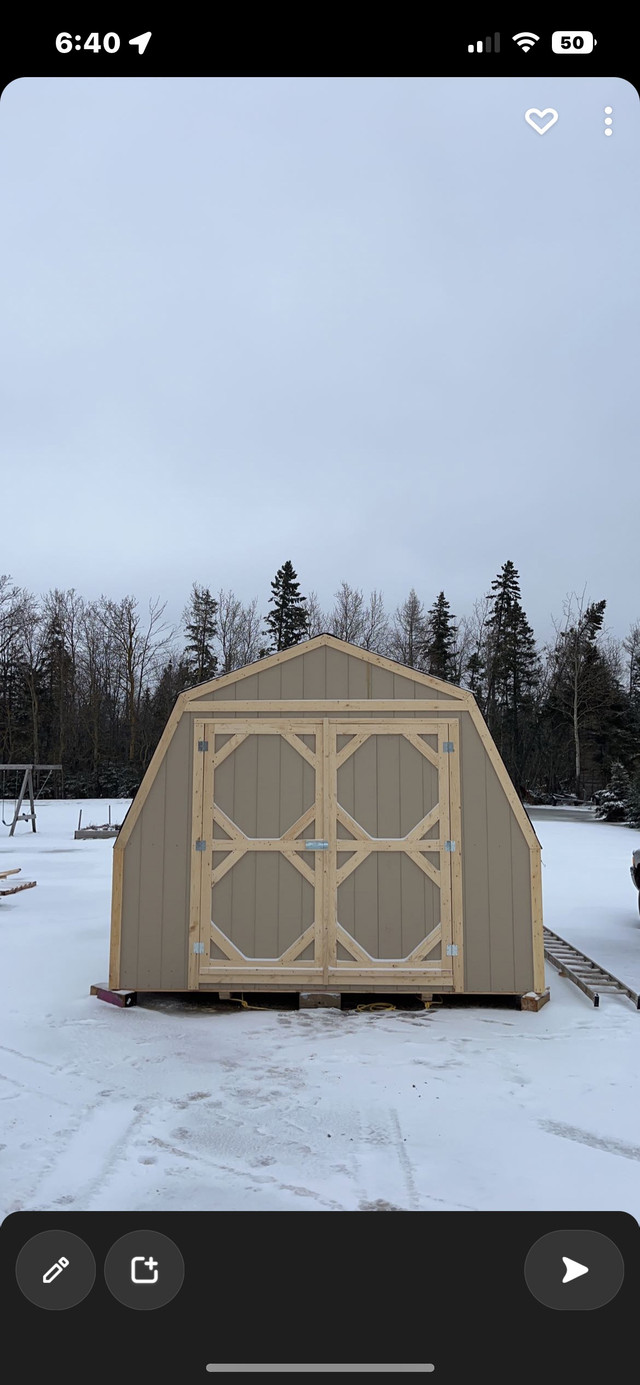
{"x":574,"y":1270}
{"x":589,"y":1257}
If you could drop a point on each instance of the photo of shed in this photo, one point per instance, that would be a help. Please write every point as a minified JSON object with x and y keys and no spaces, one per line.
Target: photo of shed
{"x":327,"y":820}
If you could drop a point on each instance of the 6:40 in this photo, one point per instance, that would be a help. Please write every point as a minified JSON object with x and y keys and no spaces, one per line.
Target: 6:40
{"x":110,"y":43}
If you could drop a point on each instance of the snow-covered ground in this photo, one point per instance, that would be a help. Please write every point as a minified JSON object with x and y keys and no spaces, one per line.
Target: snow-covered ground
{"x":187,"y":1107}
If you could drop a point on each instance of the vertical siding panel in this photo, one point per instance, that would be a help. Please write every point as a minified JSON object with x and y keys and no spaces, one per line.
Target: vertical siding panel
{"x":292,"y":685}
{"x":358,"y":684}
{"x":365,"y":811}
{"x":177,"y":856}
{"x":522,"y":917}
{"x":151,"y":884}
{"x":389,"y":893}
{"x":388,"y":784}
{"x":337,"y":674}
{"x":382,"y":681}
{"x":244,"y":767}
{"x":271,"y":755}
{"x":366,"y":929}
{"x":315,"y":673}
{"x":500,"y":885}
{"x":269,"y":684}
{"x":405,"y":687}
{"x":129,"y":976}
{"x":475,"y":859}
{"x":247,"y":690}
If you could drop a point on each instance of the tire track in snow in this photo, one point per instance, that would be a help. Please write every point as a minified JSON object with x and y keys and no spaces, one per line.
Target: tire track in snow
{"x":96,"y":1144}
{"x":584,"y":1137}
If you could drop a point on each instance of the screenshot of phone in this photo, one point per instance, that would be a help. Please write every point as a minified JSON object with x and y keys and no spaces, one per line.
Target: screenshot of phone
{"x":319,"y":710}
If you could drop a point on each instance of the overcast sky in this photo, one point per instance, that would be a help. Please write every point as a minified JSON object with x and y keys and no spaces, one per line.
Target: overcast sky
{"x":379,"y":326}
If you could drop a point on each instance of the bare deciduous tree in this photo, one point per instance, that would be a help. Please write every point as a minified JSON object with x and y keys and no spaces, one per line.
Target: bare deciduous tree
{"x":139,"y":648}
{"x":407,"y":632}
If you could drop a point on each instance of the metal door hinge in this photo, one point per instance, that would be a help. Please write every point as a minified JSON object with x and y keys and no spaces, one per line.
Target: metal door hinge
{"x":452,"y":949}
{"x":449,"y":846}
{"x":198,"y":947}
{"x":200,"y":845}
{"x":203,"y":745}
{"x":448,"y":747}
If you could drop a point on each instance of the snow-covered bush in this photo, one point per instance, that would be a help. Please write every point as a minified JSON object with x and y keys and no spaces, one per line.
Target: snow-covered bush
{"x":613,"y":803}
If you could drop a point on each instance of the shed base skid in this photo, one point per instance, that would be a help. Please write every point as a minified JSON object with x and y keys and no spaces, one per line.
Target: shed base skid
{"x":534,"y":1000}
{"x":321,"y":998}
{"x":114,"y":997}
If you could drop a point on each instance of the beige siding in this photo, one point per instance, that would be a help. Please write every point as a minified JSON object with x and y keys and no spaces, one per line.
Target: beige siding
{"x":322,"y":672}
{"x":498,"y":952}
{"x":155,"y":897}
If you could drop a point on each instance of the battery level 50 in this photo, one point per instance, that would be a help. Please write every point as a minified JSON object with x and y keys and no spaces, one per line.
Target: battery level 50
{"x":573,"y":41}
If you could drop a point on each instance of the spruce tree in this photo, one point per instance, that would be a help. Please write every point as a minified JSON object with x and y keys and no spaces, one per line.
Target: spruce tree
{"x":614,"y":801}
{"x":287,"y":623}
{"x":512,"y":672}
{"x":440,"y":640}
{"x":633,"y":815}
{"x":201,"y":628}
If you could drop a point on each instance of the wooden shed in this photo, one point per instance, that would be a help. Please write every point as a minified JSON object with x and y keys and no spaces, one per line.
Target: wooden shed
{"x":327,"y":820}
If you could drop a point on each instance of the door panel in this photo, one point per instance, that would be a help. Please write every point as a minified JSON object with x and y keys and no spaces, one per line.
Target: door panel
{"x":261,"y":887}
{"x":392,"y":917}
{"x":324,"y":849}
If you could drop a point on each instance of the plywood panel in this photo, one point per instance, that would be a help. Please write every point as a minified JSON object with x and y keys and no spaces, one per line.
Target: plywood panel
{"x":263,"y":905}
{"x":363,"y":905}
{"x":388,"y":785}
{"x":337,"y":673}
{"x":177,"y":855}
{"x":473,"y":764}
{"x":522,"y":919}
{"x":499,"y":818}
{"x":230,"y":693}
{"x":151,"y":884}
{"x":267,"y":785}
{"x":292,"y":684}
{"x":359,"y":675}
{"x":241,"y":927}
{"x":270,"y":682}
{"x":315,"y":673}
{"x":130,"y":909}
{"x":365,"y":795}
{"x":382,"y":681}
{"x":405,"y":687}
{"x":389,"y":904}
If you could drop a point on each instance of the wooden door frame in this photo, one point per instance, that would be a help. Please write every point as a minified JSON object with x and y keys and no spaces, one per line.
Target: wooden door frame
{"x":325,"y":968}
{"x":238,"y":969}
{"x":447,"y":971}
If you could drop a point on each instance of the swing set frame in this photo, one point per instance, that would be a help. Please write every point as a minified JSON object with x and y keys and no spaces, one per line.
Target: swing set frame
{"x":27,"y":788}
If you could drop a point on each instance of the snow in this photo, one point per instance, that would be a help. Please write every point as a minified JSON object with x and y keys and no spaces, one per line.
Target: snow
{"x":181,"y":1106}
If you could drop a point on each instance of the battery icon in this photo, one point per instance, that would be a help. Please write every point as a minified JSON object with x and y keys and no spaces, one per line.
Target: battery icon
{"x":573,"y":41}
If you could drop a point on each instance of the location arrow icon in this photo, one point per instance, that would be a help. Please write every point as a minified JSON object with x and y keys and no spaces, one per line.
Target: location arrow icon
{"x":141,"y":41}
{"x":574,"y":1269}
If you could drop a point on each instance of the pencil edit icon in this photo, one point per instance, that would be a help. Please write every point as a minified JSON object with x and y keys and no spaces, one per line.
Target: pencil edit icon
{"x":54,"y":1270}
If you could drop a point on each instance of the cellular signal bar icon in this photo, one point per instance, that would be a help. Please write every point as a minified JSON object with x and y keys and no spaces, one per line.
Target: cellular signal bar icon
{"x":486,"y":45}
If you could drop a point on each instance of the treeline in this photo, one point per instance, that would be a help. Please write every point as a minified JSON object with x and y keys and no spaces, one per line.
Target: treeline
{"x":90,"y":684}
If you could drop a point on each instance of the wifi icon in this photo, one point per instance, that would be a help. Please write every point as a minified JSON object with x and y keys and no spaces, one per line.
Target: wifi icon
{"x":525,"y":40}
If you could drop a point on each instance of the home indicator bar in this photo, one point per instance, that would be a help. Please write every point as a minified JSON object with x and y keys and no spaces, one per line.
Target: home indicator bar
{"x":217,"y":1367}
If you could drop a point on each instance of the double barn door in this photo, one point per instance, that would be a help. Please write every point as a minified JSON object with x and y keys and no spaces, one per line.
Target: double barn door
{"x":325,"y":852}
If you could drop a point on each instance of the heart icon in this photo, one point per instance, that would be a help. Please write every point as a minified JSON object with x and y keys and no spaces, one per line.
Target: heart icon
{"x":541,"y":129}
